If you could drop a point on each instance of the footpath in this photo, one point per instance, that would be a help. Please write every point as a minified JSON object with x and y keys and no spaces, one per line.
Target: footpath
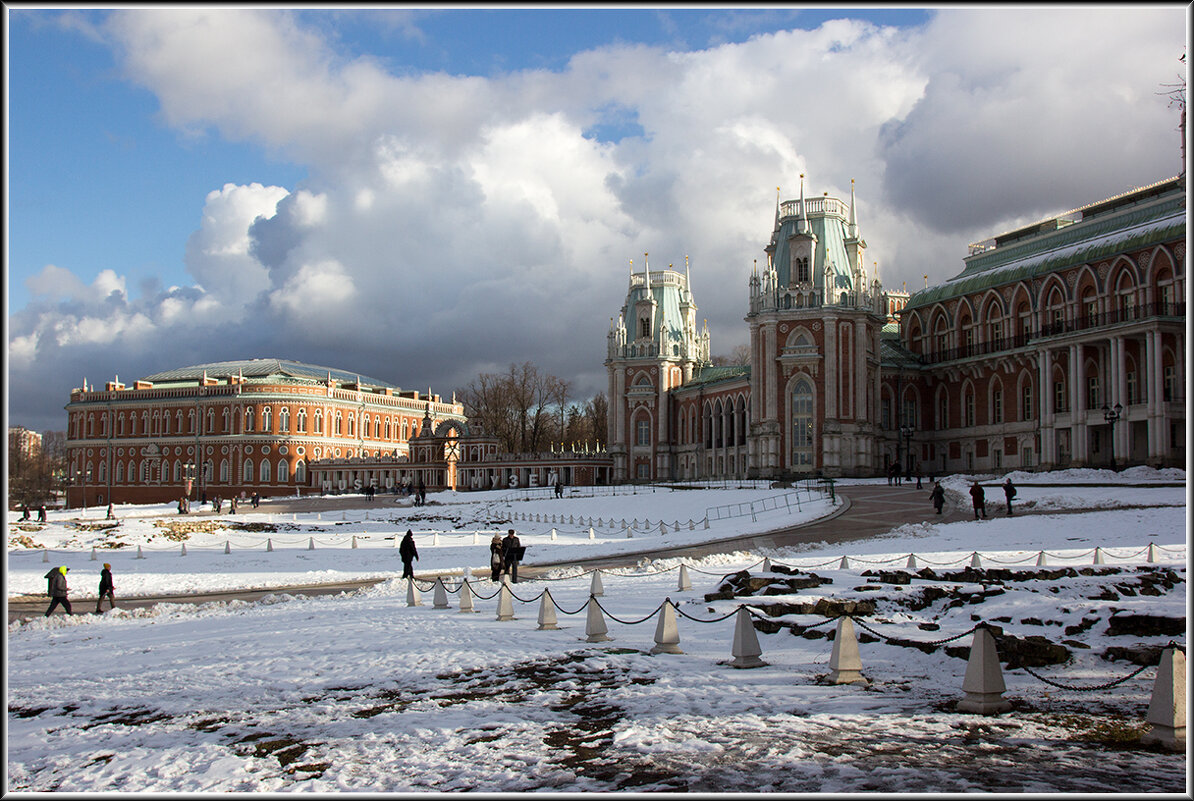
{"x":867,"y":511}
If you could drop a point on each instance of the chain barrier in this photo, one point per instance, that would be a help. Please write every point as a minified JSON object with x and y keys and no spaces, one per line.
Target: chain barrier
{"x":904,"y":640}
{"x":564,"y":611}
{"x":1106,"y":686}
{"x":682,"y":613}
{"x":593,"y":598}
{"x":526,"y":600}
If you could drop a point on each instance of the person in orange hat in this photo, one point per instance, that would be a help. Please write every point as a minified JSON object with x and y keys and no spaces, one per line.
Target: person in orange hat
{"x":105,"y":589}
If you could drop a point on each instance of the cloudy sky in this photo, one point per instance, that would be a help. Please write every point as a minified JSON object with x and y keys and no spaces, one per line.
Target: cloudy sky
{"x":425,"y":195}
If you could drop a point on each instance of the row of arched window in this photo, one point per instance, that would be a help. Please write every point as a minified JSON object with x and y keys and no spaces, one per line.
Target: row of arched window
{"x":986,"y":323}
{"x":162,"y":423}
{"x":148,"y":471}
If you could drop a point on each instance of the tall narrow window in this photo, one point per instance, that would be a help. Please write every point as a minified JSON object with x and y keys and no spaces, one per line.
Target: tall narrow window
{"x":284,"y":420}
{"x":969,"y":404}
{"x":1169,"y":383}
{"x":318,"y":421}
{"x":248,"y":471}
{"x":301,"y":421}
{"x":1026,"y":402}
{"x":1132,"y":398}
{"x":802,"y":424}
{"x":224,"y":471}
{"x":282,"y":471}
{"x":1092,"y":392}
{"x":642,"y":432}
{"x":265,"y":470}
{"x":300,"y":472}
{"x":266,"y":422}
{"x":249,"y":419}
{"x":997,"y":406}
{"x":1059,"y":396}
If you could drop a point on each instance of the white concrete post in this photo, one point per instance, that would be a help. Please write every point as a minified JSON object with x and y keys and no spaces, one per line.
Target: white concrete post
{"x":706,"y":522}
{"x":139,"y":554}
{"x":227,"y":546}
{"x":745,"y":650}
{"x":595,"y":588}
{"x":553,"y":535}
{"x":93,"y":552}
{"x":412,"y":593}
{"x":766,"y":564}
{"x":667,"y":633}
{"x":691,"y":524}
{"x":439,"y":597}
{"x":911,"y":564}
{"x":662,"y":529}
{"x":685,"y":582}
{"x":435,"y":540}
{"x":476,"y":540}
{"x":845,"y":664}
{"x":505,"y":610}
{"x":45,"y":555}
{"x":844,"y":564}
{"x":1040,"y":560}
{"x":466,"y":597}
{"x":675,"y":525}
{"x":547,"y":612}
{"x":595,"y":628}
{"x":592,"y":533}
{"x":629,"y":533}
{"x":1152,"y":552}
{"x":1167,"y":707}
{"x":310,"y":543}
{"x":623,"y":523}
{"x":354,"y":540}
{"x":269,"y":546}
{"x":1098,"y":557}
{"x":983,"y":683}
{"x":975,"y":560}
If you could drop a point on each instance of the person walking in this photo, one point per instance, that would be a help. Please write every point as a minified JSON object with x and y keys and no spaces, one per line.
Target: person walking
{"x":41,"y":514}
{"x":57,"y":589}
{"x":979,"y":499}
{"x":511,"y":553}
{"x":110,"y":515}
{"x":409,"y":553}
{"x":232,"y":505}
{"x":1009,"y":492}
{"x":937,"y":496}
{"x":496,"y":563}
{"x":106,"y":588}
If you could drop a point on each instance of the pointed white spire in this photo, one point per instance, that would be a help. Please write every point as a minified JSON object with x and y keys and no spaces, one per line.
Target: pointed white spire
{"x":647,"y":269}
{"x":801,"y":220}
{"x":852,"y":230}
{"x":687,"y":276}
{"x":777,"y":208}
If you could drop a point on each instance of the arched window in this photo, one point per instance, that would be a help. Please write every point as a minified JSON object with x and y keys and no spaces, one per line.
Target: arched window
{"x":224,"y":471}
{"x":211,"y":421}
{"x":1026,"y":405}
{"x":265,"y":470}
{"x":283,"y":471}
{"x":318,"y":421}
{"x":997,"y":405}
{"x":388,"y":428}
{"x":119,"y":479}
{"x":249,"y":419}
{"x":284,"y":420}
{"x":802,"y":424}
{"x":178,"y":471}
{"x":352,"y":424}
{"x":143,"y":475}
{"x":300,"y":472}
{"x":266,"y":422}
{"x":404,"y":430}
{"x":91,"y":425}
{"x":227,"y":420}
{"x":968,"y":405}
{"x":145,"y":423}
{"x":248,"y":468}
{"x":943,"y":409}
{"x":1125,"y":296}
{"x":178,"y":421}
{"x":339,"y":424}
{"x":301,"y":420}
{"x":102,"y":475}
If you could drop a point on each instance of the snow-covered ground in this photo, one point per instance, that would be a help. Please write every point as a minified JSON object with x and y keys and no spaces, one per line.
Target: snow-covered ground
{"x":363,"y":692}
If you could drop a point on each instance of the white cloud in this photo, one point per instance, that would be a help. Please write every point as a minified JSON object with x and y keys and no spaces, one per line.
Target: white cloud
{"x":217,"y":254}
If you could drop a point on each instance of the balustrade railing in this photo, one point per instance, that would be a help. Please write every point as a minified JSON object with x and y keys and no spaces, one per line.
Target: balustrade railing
{"x":1084,"y":322}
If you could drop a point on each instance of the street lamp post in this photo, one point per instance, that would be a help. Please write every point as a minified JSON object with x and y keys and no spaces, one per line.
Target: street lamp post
{"x":1112,"y":415}
{"x":906,"y":432}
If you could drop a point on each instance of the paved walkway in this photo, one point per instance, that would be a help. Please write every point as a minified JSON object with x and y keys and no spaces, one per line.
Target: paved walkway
{"x":869,"y":510}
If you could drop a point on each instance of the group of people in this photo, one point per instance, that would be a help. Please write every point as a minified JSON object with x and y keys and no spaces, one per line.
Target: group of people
{"x":504,"y":556}
{"x":420,"y":494}
{"x":41,"y":513}
{"x":978,"y":498}
{"x":58,"y":590}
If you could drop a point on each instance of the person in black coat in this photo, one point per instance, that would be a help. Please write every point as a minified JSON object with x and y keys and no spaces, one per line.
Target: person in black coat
{"x":937,"y":496}
{"x":57,"y":590}
{"x":1009,"y":492}
{"x":511,"y":551}
{"x":979,"y":499}
{"x":496,"y":563}
{"x":106,"y":588}
{"x":409,"y":553}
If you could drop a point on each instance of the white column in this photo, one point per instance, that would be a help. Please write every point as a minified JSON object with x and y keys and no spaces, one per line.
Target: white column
{"x":1120,"y":374}
{"x":832,"y":369}
{"x":1045,"y":405}
{"x":1078,"y":370}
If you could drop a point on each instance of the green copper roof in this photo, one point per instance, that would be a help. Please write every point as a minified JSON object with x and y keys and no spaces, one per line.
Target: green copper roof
{"x":710,"y":375}
{"x":828,"y":225}
{"x":1106,"y":233}
{"x":263,"y":368}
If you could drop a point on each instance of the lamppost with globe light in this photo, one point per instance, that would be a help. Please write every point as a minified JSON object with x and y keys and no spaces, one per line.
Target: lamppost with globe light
{"x":1112,"y":415}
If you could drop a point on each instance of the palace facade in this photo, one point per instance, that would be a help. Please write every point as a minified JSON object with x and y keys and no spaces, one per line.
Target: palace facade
{"x":234,"y":428}
{"x":1059,"y":344}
